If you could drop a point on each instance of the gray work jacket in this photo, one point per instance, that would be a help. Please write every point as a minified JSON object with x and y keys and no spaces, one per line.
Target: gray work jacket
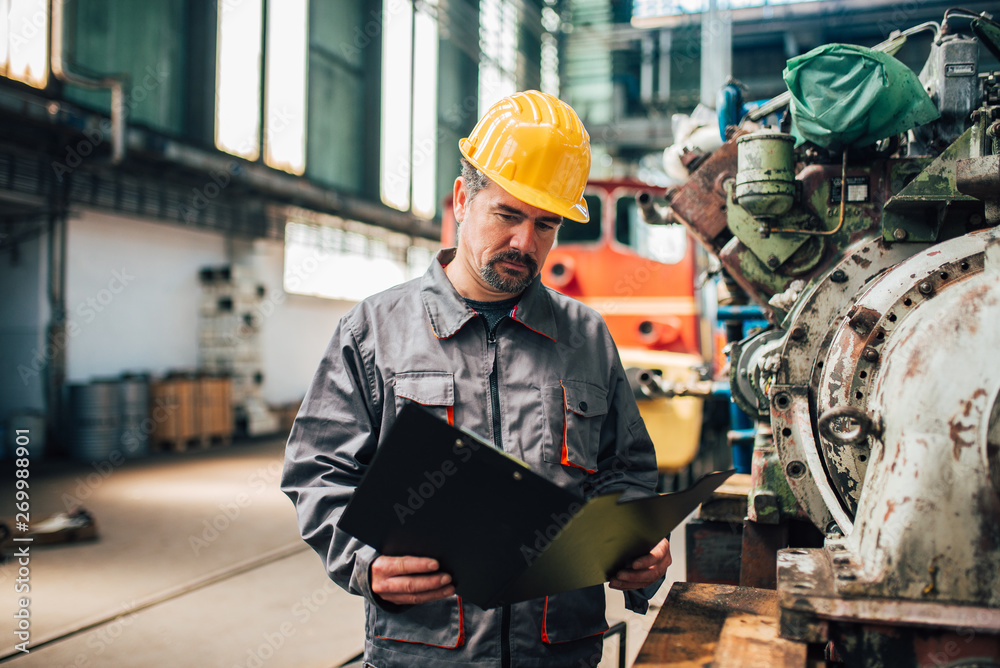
{"x":565,"y":408}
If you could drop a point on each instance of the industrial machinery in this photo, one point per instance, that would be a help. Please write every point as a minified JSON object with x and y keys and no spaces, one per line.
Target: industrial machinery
{"x":877,"y":385}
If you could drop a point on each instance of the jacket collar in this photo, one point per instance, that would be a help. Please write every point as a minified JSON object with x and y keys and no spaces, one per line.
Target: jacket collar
{"x":448,"y":312}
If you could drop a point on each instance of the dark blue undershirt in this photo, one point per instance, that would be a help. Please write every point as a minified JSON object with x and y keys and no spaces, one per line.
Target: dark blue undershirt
{"x":493,"y":312}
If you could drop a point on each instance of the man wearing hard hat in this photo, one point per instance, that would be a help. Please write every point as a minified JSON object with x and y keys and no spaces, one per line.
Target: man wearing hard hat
{"x":479,"y":340}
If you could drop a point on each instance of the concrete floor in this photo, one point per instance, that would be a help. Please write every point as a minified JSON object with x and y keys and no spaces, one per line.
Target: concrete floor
{"x":199,"y":563}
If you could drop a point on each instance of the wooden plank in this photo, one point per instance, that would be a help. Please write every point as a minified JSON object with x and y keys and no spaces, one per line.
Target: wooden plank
{"x":687,"y":630}
{"x":729,"y":502}
{"x":753,"y":640}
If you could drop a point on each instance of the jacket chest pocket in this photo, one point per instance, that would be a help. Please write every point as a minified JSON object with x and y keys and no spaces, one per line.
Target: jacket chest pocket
{"x":434,"y":390}
{"x":574,"y":412}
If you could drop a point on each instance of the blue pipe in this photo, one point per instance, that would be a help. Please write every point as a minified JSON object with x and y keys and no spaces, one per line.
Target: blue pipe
{"x":749,"y":312}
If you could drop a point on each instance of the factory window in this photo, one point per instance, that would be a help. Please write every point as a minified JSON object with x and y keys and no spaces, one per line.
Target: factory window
{"x":498,"y":45}
{"x":325,"y":260}
{"x":663,"y":243}
{"x":283,"y":55}
{"x":285,"y":96}
{"x":409,"y":106}
{"x":571,"y":232}
{"x":645,"y":10}
{"x":550,"y":51}
{"x":24,"y":32}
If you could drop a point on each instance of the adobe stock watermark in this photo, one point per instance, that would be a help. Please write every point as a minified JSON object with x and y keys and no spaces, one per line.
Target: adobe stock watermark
{"x":424,"y":150}
{"x":96,"y":135}
{"x":627,"y":285}
{"x":618,"y":470}
{"x":220,"y":179}
{"x":296,"y":274}
{"x":271,"y":642}
{"x":88,"y":311}
{"x":104,"y":636}
{"x":131,"y":441}
{"x":231,"y":511}
{"x":903,"y":14}
{"x":30,"y":27}
{"x":434,"y":480}
{"x":691,"y":51}
{"x":964,"y":644}
{"x":372,"y":29}
{"x":544,"y":537}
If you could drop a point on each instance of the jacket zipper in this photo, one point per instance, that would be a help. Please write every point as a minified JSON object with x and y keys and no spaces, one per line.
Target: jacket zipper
{"x":495,"y":393}
{"x":498,"y":442}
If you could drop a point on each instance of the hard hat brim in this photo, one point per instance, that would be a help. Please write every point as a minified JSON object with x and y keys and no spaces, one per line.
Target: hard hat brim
{"x":576,"y":211}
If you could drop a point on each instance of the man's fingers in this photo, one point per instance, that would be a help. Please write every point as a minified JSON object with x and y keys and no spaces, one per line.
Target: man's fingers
{"x":645,"y":570}
{"x":421,"y":597}
{"x":409,"y":580}
{"x":656,"y":556}
{"x":410,"y":584}
{"x":633,"y":579}
{"x":392,"y":566}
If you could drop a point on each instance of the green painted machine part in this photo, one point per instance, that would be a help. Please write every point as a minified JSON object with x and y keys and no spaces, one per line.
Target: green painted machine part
{"x":931,"y":202}
{"x":765,"y":176}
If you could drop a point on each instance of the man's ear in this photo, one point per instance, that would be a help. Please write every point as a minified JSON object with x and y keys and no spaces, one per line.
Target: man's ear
{"x":459,"y":200}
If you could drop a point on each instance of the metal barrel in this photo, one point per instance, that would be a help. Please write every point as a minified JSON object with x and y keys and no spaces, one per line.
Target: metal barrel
{"x":135,"y":425}
{"x":95,"y":420}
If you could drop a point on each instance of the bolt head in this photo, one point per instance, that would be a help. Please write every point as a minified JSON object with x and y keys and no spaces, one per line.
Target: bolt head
{"x":899,"y":234}
{"x":796,"y":469}
{"x":925,"y":288}
{"x":773,"y":261}
{"x":839,"y":276}
{"x":870,"y":355}
{"x":797,"y":333}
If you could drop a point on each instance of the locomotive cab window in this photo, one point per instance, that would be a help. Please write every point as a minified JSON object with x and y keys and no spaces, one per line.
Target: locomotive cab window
{"x":662,"y":243}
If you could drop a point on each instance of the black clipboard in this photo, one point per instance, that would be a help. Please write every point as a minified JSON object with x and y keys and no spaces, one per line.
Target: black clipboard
{"x":503,"y":532}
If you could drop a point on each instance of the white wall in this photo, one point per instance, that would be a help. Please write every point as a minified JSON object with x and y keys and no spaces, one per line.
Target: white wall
{"x":24,"y":315}
{"x":132,"y":292}
{"x":296,"y":334}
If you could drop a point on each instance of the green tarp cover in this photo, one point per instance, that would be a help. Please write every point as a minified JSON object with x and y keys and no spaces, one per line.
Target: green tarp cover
{"x":847,"y":95}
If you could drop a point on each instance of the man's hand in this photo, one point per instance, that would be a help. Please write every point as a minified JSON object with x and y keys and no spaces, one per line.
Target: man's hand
{"x":645,"y":570}
{"x":409,"y":580}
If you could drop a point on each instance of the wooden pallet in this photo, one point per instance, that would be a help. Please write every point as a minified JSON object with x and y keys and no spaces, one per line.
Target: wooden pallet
{"x":216,"y":440}
{"x":175,"y":444}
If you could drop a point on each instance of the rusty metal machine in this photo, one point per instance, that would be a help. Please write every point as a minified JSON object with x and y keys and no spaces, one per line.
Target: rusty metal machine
{"x":877,"y":385}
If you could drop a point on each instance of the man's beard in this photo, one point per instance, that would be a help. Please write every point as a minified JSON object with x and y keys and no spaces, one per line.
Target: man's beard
{"x":504,"y":282}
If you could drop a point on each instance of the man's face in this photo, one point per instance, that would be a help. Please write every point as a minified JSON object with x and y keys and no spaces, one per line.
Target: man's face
{"x":503,"y":241}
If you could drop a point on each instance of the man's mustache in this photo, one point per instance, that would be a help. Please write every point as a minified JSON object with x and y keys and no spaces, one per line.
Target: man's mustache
{"x":518,"y":257}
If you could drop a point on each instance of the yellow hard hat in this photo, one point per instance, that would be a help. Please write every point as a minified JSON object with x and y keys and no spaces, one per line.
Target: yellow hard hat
{"x":534,"y":146}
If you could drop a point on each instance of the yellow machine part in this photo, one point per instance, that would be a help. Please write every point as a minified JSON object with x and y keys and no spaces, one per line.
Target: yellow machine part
{"x":674,"y":424}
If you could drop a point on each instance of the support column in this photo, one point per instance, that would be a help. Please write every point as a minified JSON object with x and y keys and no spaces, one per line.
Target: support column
{"x":716,"y":50}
